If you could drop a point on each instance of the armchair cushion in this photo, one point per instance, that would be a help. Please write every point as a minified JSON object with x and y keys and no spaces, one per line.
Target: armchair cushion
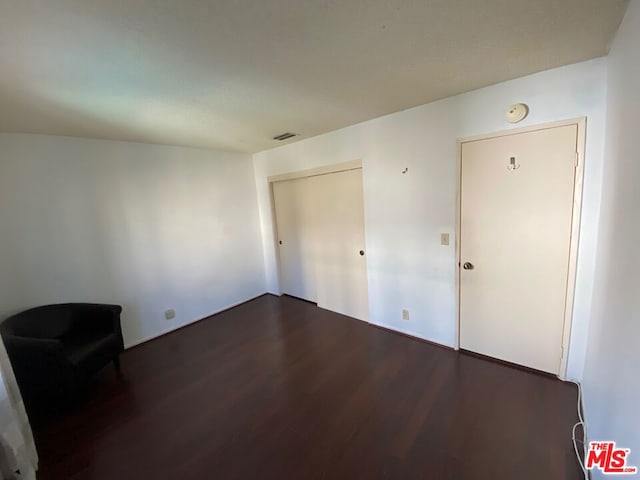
{"x":89,"y":352}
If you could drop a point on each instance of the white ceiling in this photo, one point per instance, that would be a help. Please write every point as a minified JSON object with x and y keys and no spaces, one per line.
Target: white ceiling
{"x":232,"y":74}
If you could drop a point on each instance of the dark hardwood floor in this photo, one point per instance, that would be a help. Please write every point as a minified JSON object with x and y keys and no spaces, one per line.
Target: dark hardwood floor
{"x":280,"y":389}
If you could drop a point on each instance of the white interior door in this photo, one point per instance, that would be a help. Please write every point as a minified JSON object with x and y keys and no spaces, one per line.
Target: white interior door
{"x":294,"y":223}
{"x":515,"y":233}
{"x":339,"y":243}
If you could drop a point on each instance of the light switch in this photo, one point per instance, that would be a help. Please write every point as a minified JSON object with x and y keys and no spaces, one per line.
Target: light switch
{"x":405,"y":314}
{"x":444,"y":239}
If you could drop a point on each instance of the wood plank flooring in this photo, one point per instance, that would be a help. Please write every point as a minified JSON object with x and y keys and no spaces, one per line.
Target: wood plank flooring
{"x":280,"y":389}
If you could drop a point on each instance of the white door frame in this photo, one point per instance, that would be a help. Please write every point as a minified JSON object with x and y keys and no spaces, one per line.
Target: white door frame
{"x":312,"y":172}
{"x":581,"y":123}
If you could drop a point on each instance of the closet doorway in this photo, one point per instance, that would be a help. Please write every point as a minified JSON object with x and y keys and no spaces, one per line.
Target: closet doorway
{"x":320,"y":239}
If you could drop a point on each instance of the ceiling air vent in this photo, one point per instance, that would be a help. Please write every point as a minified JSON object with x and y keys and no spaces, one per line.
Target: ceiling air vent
{"x":284,"y":136}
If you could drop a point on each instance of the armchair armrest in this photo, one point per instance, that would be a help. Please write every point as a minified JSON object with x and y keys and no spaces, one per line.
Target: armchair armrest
{"x":26,"y":346}
{"x":38,"y":363}
{"x":92,"y":317}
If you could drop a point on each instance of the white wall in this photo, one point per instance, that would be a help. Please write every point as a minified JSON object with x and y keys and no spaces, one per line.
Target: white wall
{"x":146,"y":226}
{"x":610,"y":383}
{"x":405,"y":214}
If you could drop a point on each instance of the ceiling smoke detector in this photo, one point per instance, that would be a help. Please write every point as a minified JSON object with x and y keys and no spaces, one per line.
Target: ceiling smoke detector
{"x":284,"y":136}
{"x":517,"y":112}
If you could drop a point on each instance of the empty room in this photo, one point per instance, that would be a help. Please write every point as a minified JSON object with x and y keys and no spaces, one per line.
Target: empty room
{"x":318,"y":239}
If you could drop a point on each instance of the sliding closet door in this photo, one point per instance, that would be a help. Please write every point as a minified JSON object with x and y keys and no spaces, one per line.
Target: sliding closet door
{"x":339,"y":244}
{"x":294,"y":222}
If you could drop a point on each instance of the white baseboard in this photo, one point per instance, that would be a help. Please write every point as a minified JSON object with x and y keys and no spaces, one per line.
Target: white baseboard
{"x":410,"y":333}
{"x":127,"y":346}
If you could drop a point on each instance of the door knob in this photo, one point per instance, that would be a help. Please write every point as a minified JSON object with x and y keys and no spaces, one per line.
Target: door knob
{"x":361,"y":252}
{"x":468,"y":266}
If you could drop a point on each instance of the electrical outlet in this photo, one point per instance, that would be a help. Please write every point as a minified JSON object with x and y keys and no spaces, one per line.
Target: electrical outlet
{"x":405,"y":314}
{"x":169,"y":314}
{"x":444,"y":239}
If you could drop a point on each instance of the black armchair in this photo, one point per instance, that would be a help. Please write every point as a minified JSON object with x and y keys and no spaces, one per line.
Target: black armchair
{"x":54,"y":348}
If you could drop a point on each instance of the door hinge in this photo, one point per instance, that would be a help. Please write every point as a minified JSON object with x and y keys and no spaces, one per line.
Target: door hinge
{"x":577,"y":159}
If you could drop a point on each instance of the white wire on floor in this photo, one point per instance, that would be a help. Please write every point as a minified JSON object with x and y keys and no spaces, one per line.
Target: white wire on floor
{"x":581,"y":458}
